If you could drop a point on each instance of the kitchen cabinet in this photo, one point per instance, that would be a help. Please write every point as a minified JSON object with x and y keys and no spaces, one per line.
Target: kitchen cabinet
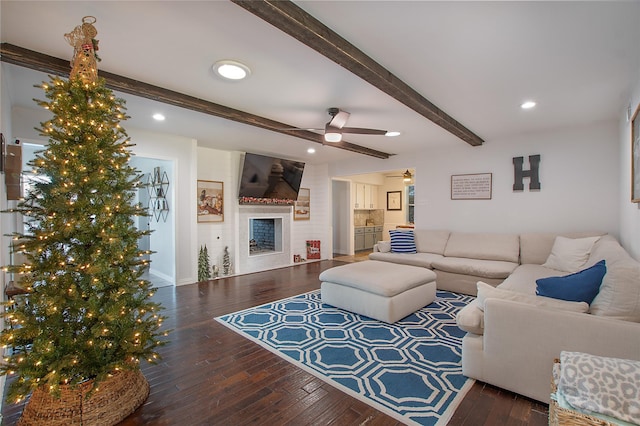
{"x":372,"y":200}
{"x":366,"y":196}
{"x":369,"y":237}
{"x":365,"y":237}
{"x":378,"y":231}
{"x":359,"y":239}
{"x":359,"y":198}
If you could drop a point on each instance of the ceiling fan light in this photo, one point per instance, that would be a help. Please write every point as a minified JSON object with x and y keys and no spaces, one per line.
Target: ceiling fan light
{"x":392,"y":133}
{"x":332,"y":136}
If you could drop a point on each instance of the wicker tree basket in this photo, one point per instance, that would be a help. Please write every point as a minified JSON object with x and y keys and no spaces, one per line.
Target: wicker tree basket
{"x":559,"y":416}
{"x":116,"y":398}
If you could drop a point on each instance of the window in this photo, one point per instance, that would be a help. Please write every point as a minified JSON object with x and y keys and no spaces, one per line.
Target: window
{"x":410,"y":203}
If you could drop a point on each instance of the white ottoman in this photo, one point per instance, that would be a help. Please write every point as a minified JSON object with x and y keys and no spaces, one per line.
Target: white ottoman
{"x":382,"y":290}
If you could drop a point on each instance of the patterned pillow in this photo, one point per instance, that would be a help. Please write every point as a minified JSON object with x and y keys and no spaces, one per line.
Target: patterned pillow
{"x":601,"y":385}
{"x":402,"y":241}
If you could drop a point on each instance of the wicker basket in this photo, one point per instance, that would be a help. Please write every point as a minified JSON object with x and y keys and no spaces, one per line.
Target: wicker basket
{"x":116,"y":398}
{"x":559,"y":416}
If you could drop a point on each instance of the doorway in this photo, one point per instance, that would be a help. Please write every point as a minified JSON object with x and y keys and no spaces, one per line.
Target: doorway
{"x":161,"y":240}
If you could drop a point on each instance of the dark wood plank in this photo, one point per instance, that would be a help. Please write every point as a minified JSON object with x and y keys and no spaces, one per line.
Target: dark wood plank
{"x":293,"y":20}
{"x":51,"y":65}
{"x":211,"y":375}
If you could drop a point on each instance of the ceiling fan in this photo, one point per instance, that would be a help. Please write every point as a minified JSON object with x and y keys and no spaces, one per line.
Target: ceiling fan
{"x":406,"y":176}
{"x":334,"y":129}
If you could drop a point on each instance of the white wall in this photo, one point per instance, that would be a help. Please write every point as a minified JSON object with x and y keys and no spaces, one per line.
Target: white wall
{"x":392,"y":218}
{"x":221,"y":166}
{"x":182,"y":151}
{"x":578,"y":174}
{"x":342,"y":223}
{"x":629,"y":212}
{"x":162,"y":239}
{"x":224,"y":166}
{"x":318,"y":227}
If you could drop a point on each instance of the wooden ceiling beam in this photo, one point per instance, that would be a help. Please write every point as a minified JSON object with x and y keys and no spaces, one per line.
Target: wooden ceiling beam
{"x":293,"y":20}
{"x":51,"y":65}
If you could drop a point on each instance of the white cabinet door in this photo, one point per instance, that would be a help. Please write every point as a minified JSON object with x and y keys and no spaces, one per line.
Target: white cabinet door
{"x":372,"y":192}
{"x":360,"y":199}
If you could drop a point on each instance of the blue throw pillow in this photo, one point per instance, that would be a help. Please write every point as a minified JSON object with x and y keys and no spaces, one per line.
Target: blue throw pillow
{"x":581,"y":286}
{"x":402,"y":241}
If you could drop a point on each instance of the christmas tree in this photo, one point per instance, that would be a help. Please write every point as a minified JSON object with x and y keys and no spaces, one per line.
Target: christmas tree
{"x":204,"y":269}
{"x":88,"y":312}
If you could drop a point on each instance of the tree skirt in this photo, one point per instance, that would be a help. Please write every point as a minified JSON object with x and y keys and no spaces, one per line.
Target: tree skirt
{"x":116,"y":398}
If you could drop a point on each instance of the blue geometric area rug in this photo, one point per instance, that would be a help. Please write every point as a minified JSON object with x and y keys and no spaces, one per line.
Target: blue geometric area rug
{"x":410,"y":370}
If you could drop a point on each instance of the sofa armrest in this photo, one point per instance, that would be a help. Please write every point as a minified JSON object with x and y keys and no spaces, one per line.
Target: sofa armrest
{"x":558,"y":330}
{"x":521,"y":341}
{"x":376,"y":248}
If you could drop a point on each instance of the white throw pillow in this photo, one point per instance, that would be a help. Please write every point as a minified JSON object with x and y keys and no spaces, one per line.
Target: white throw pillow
{"x":384,"y":246}
{"x":486,"y":291}
{"x":570,"y":254}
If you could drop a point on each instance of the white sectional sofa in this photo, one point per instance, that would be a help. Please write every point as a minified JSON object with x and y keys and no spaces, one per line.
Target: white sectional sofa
{"x":513,"y":336}
{"x":459,"y":259}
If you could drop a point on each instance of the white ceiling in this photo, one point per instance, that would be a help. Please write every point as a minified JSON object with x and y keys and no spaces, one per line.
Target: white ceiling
{"x":477,"y":61}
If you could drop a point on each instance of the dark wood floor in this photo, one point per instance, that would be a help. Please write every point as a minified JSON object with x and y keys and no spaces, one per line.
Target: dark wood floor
{"x":211,"y":375}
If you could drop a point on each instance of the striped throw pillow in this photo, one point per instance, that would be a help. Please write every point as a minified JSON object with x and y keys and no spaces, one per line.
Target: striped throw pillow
{"x":402,"y":241}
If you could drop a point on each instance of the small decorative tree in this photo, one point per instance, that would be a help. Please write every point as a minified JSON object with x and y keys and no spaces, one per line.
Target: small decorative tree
{"x":226,"y":262}
{"x":204,"y":269}
{"x":88,"y":314}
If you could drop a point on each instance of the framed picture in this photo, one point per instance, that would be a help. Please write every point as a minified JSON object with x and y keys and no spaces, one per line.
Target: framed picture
{"x":635,"y":156}
{"x":210,"y":201}
{"x":471,"y":187}
{"x":394,"y":200}
{"x":302,"y":206}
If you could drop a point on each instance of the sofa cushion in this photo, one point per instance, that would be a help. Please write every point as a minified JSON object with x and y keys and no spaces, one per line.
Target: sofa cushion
{"x":431,"y":241}
{"x":570,"y":254}
{"x":619,"y":295}
{"x":424,"y":260}
{"x":402,"y":241}
{"x":487,"y":246}
{"x":523,"y":278}
{"x":535,"y":247}
{"x":475,"y":267}
{"x":486,"y":291}
{"x":581,"y":286}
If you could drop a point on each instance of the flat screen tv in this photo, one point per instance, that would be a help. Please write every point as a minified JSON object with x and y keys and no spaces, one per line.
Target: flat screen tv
{"x":270,"y":177}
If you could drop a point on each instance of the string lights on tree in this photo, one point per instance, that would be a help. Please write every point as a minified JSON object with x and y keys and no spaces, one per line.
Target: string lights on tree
{"x":88,"y":312}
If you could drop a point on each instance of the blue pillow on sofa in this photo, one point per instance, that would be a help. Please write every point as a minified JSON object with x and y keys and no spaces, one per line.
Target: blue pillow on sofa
{"x":581,"y":286}
{"x":402,"y":241}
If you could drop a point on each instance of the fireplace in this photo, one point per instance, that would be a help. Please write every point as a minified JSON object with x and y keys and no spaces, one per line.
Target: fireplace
{"x":254,"y":252}
{"x":265,"y":235}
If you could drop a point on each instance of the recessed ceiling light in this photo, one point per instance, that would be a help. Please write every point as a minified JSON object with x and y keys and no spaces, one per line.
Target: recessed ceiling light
{"x":158,"y":117}
{"x":392,"y":133}
{"x":231,"y":70}
{"x":528,"y":105}
{"x":311,"y":150}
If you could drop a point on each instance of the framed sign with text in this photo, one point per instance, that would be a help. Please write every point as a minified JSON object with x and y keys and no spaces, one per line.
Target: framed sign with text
{"x":471,"y":187}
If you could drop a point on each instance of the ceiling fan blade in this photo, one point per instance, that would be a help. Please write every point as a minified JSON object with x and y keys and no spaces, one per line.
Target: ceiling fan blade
{"x":339,"y":119}
{"x":309,"y":129}
{"x":361,"y":131}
